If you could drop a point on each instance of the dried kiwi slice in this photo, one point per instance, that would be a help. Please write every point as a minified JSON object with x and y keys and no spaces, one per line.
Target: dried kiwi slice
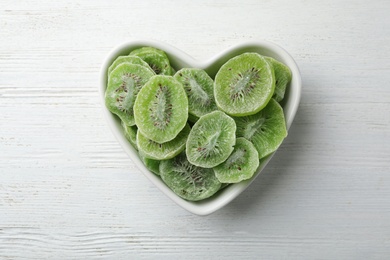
{"x":211,"y":140}
{"x":241,"y":164}
{"x":161,"y":109}
{"x":244,"y":84}
{"x":151,"y":164}
{"x":188,"y":181}
{"x":199,"y":88}
{"x":124,"y":83}
{"x":130,"y":134}
{"x":266,"y":129}
{"x":130,"y":59}
{"x":163,"y":151}
{"x":282,"y":78}
{"x":157,"y":59}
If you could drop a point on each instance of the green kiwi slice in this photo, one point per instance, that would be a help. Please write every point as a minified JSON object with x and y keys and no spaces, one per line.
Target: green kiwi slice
{"x":124,"y":83}
{"x":163,"y":151}
{"x":200,"y":91}
{"x":244,"y":84}
{"x":157,"y":59}
{"x":151,"y":164}
{"x":211,"y":140}
{"x":161,"y":109}
{"x":282,"y":78}
{"x":266,"y":129}
{"x":241,"y":164}
{"x":130,"y":134}
{"x":188,"y":181}
{"x":173,"y":71}
{"x":130,"y":59}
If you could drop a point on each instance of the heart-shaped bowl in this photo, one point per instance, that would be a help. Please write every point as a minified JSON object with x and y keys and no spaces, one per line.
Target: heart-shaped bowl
{"x":178,"y":60}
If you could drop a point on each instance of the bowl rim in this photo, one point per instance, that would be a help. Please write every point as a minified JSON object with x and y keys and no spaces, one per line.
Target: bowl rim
{"x":229,"y":193}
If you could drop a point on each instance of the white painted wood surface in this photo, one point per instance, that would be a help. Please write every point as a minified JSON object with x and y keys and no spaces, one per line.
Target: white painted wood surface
{"x":68,"y":190}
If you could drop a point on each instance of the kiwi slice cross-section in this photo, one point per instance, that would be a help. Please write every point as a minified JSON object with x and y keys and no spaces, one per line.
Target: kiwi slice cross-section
{"x":128,"y":59}
{"x":244,"y":84}
{"x":282,"y":78}
{"x":163,"y":151}
{"x":188,"y":181}
{"x":161,"y":109}
{"x":199,"y":87}
{"x":151,"y":164}
{"x":130,"y":134}
{"x":266,"y":129}
{"x":211,"y":140}
{"x":124,"y":83}
{"x":241,"y":164}
{"x":157,"y":60}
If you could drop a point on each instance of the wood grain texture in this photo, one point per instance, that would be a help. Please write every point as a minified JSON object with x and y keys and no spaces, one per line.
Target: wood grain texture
{"x":68,"y":190}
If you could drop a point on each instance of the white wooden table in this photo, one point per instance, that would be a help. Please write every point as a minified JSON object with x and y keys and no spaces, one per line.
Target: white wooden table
{"x":69,"y":191}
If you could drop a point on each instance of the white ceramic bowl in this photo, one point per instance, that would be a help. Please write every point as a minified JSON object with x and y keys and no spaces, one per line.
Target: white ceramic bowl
{"x":178,"y":60}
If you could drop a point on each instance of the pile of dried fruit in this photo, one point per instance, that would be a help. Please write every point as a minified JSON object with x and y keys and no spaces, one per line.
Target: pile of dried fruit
{"x":197,"y":133}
